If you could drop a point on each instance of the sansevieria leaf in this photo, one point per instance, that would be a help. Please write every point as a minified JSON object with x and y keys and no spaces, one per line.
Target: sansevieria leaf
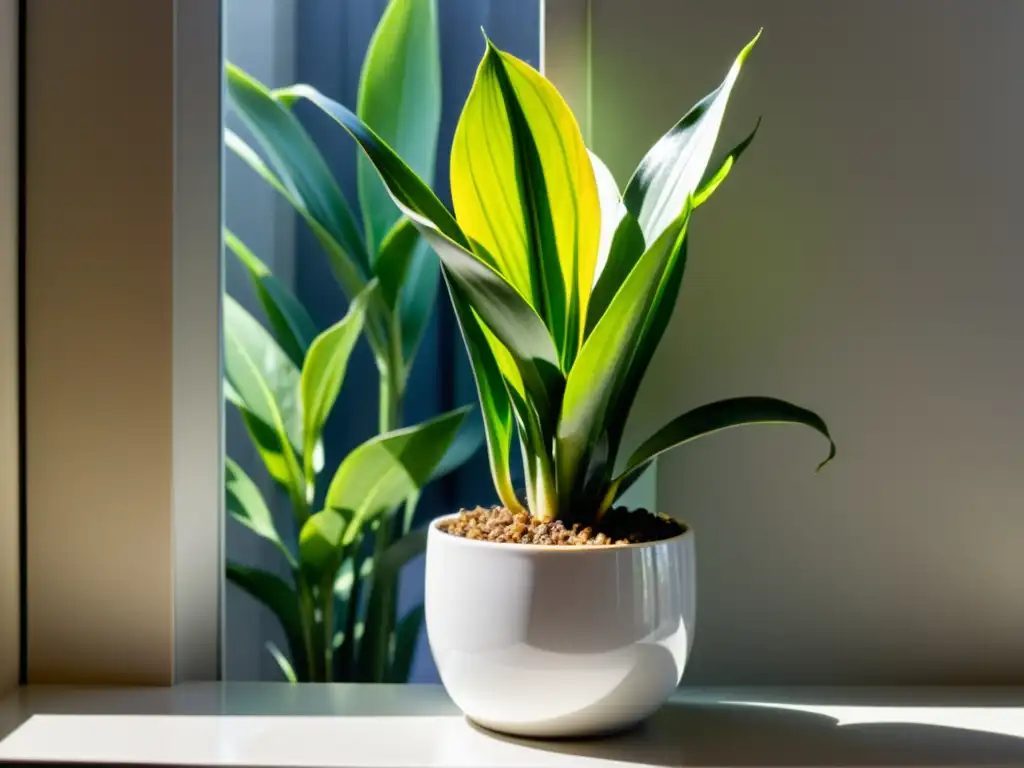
{"x":603,"y":361}
{"x":406,"y":188}
{"x":720,"y":169}
{"x":524,"y":191}
{"x":494,"y":401}
{"x":724,"y":414}
{"x":508,"y":315}
{"x":400,"y":97}
{"x":672,"y":169}
{"x":385,"y":470}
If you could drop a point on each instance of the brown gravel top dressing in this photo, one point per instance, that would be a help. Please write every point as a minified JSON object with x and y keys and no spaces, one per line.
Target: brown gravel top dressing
{"x":617,"y":526}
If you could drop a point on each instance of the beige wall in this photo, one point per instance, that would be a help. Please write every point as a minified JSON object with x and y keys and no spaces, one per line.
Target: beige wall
{"x":100,"y":160}
{"x":10,"y":620}
{"x":866,"y":261}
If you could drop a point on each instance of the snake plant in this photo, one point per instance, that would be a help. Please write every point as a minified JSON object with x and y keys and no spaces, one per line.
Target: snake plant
{"x":562,"y":285}
{"x":355,"y":528}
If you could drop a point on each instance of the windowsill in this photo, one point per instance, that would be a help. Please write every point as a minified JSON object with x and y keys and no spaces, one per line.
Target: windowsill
{"x":212,"y":724}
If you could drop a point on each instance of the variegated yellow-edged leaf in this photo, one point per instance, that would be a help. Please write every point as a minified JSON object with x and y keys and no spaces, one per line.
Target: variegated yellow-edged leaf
{"x":524,"y":190}
{"x":672,"y":169}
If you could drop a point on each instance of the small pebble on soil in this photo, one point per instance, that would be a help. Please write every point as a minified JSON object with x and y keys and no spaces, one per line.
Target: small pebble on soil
{"x":617,"y":526}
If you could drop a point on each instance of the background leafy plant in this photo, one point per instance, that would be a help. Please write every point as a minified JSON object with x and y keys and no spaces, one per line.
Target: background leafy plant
{"x":354,"y":533}
{"x":562,"y":285}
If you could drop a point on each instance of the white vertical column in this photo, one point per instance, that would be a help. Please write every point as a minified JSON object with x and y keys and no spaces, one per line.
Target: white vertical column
{"x":123,"y":412}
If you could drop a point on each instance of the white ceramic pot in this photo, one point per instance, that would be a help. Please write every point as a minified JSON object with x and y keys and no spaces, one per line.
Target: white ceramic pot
{"x":565,"y":641}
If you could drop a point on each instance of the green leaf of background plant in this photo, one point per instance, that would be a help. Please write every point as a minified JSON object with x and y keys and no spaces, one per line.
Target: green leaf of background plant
{"x":385,"y":470}
{"x":298,"y":163}
{"x":293,"y":328}
{"x":282,"y":663}
{"x":324,"y":372}
{"x":280,"y":598}
{"x":245,"y":504}
{"x":463,"y":447}
{"x":673,"y":168}
{"x":714,"y":417}
{"x":604,"y":359}
{"x":373,"y":661}
{"x":261,"y":411}
{"x":321,"y":547}
{"x":264,"y":366}
{"x":417,"y":298}
{"x":396,"y":252}
{"x":400,"y":97}
{"x":406,"y":635}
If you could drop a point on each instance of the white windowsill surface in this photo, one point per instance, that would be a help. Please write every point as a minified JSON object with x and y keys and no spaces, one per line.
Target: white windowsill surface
{"x":388,"y":726}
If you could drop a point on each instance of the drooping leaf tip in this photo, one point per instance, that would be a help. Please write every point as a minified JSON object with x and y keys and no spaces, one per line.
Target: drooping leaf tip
{"x":831,"y":455}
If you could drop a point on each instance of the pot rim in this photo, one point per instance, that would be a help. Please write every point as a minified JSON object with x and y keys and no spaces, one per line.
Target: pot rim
{"x":434,"y":531}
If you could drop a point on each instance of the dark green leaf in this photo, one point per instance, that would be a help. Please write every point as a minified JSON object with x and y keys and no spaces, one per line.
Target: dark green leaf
{"x":406,"y":635}
{"x":714,"y":417}
{"x":350,"y":279}
{"x":417,"y":299}
{"x":672,"y":169}
{"x":464,"y":447}
{"x":713,"y":179}
{"x":407,"y":189}
{"x":626,"y":249}
{"x":299,"y":165}
{"x":373,"y":660}
{"x":494,"y":400}
{"x":604,"y":359}
{"x":293,"y":328}
{"x":400,"y":96}
{"x":280,"y":598}
{"x":396,"y":251}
